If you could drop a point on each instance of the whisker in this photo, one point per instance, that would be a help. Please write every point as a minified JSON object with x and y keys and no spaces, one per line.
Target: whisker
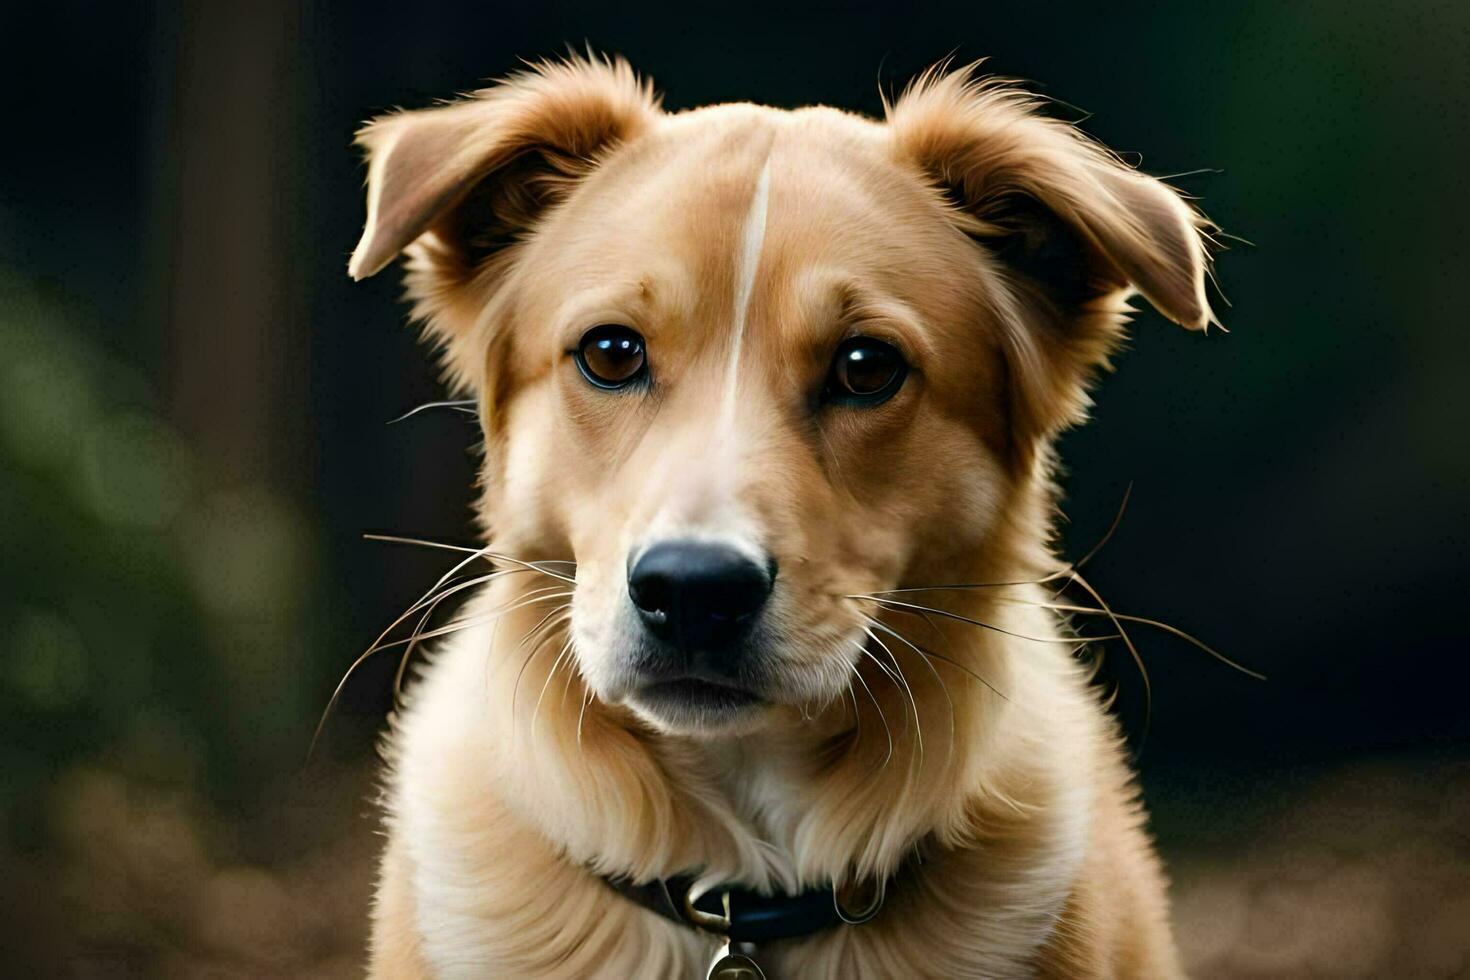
{"x":380,"y":645}
{"x":403,"y":661}
{"x":434,"y":595}
{"x":455,"y":626}
{"x":886,"y":730}
{"x":571,"y":675}
{"x":927,"y":654}
{"x":485,"y":553}
{"x":587,"y":699}
{"x":565,"y":648}
{"x":549,"y":623}
{"x":1101,"y":542}
{"x":903,"y":684}
{"x":418,"y":632}
{"x":362,"y":658}
{"x":1148,"y":690}
{"x":975,"y":622}
{"x":1066,"y":570}
{"x":888,"y":673}
{"x":457,"y":405}
{"x":432,"y":598}
{"x":1145,"y":621}
{"x":441,"y":583}
{"x":857,"y":714}
{"x":961,"y":586}
{"x":943,"y":687}
{"x":429,"y":602}
{"x":424,"y":543}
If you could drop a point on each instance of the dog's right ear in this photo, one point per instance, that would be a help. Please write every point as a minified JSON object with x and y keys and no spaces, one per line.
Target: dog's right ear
{"x":472,"y":176}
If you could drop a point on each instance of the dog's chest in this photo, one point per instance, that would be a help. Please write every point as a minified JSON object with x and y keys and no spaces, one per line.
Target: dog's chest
{"x":762,"y":788}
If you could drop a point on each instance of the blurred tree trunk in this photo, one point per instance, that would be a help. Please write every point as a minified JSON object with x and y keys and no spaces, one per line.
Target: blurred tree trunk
{"x":235,"y":349}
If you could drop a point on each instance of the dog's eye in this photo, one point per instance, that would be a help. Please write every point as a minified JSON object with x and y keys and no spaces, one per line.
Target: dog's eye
{"x":612,"y":356}
{"x":865,"y":371}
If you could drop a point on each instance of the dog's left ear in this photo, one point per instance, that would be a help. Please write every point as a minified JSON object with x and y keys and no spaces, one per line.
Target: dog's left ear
{"x":1069,"y":228}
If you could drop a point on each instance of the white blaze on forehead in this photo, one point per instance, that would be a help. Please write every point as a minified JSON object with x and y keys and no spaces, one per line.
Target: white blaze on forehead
{"x":747,"y":262}
{"x":702,"y":502}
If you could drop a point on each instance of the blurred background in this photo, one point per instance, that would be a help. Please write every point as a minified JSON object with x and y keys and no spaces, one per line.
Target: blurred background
{"x":193,"y":439}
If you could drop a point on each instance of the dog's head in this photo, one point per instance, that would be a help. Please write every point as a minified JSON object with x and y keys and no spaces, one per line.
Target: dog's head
{"x":743,"y":364}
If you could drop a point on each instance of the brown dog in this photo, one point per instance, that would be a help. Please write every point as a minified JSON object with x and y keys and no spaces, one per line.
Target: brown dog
{"x":754,"y":372}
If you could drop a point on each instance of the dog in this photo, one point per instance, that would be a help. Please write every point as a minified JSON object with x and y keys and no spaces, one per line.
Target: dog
{"x":768,"y":677}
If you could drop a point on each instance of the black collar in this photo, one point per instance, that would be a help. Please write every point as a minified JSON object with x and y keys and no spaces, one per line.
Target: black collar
{"x":743,"y":916}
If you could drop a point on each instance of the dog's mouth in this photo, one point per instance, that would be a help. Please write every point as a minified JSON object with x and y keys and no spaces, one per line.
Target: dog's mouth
{"x":693,"y":703}
{"x":696,"y":690}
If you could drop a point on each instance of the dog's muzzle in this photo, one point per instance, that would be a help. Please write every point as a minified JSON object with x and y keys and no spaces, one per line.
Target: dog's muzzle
{"x":698,"y":604}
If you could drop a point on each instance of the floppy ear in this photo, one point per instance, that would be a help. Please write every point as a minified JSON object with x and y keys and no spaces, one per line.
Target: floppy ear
{"x":1068,"y":226}
{"x":477,"y":173}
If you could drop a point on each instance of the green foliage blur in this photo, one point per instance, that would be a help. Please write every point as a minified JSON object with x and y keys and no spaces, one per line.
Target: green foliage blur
{"x":154,"y":619}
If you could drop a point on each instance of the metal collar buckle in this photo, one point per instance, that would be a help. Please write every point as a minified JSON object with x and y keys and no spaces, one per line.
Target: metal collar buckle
{"x":708,"y":921}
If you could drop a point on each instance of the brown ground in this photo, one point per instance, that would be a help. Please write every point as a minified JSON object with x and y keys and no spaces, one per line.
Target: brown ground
{"x":1360,"y":873}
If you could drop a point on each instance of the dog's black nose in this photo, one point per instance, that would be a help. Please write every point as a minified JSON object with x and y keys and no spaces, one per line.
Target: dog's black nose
{"x":696,"y":595}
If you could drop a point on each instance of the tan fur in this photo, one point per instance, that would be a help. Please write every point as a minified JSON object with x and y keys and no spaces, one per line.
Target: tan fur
{"x":987,"y":781}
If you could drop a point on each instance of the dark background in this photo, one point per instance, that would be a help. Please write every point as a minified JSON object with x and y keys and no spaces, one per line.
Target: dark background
{"x":193,"y":399}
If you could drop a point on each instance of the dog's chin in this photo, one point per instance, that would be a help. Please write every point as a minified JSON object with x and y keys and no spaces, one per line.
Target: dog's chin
{"x":691,"y":706}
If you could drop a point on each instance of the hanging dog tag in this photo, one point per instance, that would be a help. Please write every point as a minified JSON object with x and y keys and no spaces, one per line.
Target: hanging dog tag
{"x":733,"y":964}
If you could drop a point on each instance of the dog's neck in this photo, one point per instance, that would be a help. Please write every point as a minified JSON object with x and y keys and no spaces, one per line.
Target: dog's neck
{"x":751,"y":775}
